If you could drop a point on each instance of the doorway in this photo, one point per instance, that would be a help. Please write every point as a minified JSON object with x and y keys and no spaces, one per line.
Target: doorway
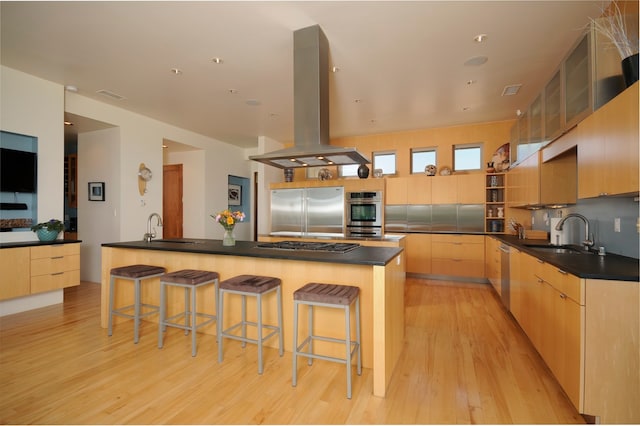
{"x":172,"y":200}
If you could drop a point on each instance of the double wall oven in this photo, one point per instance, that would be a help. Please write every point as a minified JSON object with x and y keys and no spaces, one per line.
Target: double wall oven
{"x":364,"y":214}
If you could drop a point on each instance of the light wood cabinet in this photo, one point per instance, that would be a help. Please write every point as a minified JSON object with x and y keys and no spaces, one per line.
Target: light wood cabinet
{"x":612,"y":361}
{"x":523,"y":184}
{"x":14,"y":275}
{"x":418,"y":253}
{"x":408,"y":190}
{"x":444,"y":189}
{"x":449,"y":252}
{"x":36,"y":269}
{"x":470,"y":188}
{"x":608,"y":148}
{"x":493,"y":262}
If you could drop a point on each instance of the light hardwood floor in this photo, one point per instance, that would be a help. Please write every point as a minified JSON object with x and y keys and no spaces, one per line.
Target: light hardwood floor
{"x":465,"y":361}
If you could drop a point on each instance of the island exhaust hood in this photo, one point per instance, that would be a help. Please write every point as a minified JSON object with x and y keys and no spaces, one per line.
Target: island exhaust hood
{"x":311,"y":109}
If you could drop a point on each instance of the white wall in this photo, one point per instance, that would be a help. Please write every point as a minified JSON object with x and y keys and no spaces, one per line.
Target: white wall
{"x":35,"y":107}
{"x":98,"y":222}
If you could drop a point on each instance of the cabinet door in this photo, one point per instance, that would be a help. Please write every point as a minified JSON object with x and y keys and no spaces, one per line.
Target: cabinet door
{"x":418,"y":189}
{"x":591,"y":157}
{"x":396,"y":191}
{"x":577,"y":83}
{"x":553,"y":107}
{"x":531,"y":178}
{"x":493,"y":263}
{"x":14,"y":275}
{"x":516,"y":296}
{"x":471,"y":188}
{"x":620,"y":128}
{"x":418,"y":249}
{"x":444,"y":189}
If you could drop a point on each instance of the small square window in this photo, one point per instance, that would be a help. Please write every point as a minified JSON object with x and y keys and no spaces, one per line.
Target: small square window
{"x":385,"y":161}
{"x":349,"y":170}
{"x":421,"y":158}
{"x":467,"y":157}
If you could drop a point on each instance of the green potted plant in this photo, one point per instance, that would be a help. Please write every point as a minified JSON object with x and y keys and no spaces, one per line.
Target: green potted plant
{"x":48,"y":231}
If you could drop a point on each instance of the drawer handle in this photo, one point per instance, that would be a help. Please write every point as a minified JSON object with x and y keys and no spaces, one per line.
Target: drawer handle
{"x":457,"y":244}
{"x":563,"y":296}
{"x":539,"y":261}
{"x":562,"y":272}
{"x":58,"y":257}
{"x":58,"y":273}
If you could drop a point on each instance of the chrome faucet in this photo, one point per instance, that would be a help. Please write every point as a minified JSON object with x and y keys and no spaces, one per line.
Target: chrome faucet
{"x":150,"y":235}
{"x":588,"y":240}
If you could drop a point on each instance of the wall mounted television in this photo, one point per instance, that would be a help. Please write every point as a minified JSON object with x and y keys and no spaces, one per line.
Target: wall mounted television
{"x":18,"y":171}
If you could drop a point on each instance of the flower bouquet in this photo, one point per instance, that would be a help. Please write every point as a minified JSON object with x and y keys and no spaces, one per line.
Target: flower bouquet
{"x":228,"y":220}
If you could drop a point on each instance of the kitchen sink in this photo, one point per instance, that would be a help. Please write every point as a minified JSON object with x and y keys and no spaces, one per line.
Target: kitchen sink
{"x":565,"y":249}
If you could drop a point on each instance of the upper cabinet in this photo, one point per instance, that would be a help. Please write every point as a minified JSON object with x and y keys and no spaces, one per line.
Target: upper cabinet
{"x":608,"y":148}
{"x":587,"y":78}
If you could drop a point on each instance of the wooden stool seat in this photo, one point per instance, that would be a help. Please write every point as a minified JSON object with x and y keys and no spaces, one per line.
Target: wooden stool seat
{"x":255,"y":286}
{"x":135,"y":273}
{"x":190,"y":280}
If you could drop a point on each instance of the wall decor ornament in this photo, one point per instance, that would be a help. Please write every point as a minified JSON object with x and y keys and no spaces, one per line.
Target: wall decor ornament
{"x":96,"y":191}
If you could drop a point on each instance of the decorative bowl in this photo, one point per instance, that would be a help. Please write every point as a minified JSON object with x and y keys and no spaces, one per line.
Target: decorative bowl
{"x":46,"y":235}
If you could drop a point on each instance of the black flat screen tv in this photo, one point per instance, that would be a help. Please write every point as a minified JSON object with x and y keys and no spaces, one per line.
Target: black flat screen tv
{"x":18,"y":171}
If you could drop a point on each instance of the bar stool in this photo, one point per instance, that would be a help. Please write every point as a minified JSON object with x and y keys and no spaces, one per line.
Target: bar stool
{"x":256,"y":286}
{"x":135,"y":273}
{"x":330,"y":296}
{"x":190,"y":280}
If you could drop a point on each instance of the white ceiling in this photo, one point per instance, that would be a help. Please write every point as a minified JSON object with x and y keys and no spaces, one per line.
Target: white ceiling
{"x":403,"y":61}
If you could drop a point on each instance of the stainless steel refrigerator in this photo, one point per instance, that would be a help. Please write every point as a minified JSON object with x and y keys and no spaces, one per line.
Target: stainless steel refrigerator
{"x":308,"y":212}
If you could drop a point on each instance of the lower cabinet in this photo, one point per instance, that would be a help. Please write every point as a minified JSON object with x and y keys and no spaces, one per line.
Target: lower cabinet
{"x":36,"y":269}
{"x":493,"y":263}
{"x":457,"y":255}
{"x":418,"y":249}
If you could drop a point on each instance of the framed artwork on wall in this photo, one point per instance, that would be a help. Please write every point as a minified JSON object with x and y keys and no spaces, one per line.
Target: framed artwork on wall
{"x":96,"y":191}
{"x":235,"y":195}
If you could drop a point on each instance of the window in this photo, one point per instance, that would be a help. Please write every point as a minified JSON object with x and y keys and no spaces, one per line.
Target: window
{"x":385,"y":161}
{"x":349,"y":170}
{"x":421,"y":158}
{"x":467,"y":156}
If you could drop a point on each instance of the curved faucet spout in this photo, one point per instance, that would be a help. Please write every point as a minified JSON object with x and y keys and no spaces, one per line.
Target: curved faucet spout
{"x":588,"y":239}
{"x":151,"y":235}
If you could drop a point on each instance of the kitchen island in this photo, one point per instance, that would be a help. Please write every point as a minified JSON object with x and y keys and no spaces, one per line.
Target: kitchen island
{"x":379,"y":272}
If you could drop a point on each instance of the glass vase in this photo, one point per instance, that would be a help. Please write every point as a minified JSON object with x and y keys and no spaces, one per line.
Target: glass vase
{"x":228,"y":239}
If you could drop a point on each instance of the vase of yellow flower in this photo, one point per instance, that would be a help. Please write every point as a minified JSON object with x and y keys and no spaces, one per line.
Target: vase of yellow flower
{"x":228,"y":220}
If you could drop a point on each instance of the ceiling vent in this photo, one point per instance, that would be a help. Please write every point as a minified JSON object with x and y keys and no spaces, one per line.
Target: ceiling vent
{"x":110,"y":94}
{"x":511,"y":90}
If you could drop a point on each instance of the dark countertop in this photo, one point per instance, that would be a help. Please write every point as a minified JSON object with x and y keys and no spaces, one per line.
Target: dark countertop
{"x":378,"y":256}
{"x":35,"y":243}
{"x":609,"y":267}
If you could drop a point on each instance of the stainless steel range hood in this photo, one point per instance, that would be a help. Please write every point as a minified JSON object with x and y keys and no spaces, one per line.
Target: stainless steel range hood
{"x":311,"y":109}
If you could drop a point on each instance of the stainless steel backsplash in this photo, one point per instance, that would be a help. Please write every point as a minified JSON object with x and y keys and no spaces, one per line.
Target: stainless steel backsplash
{"x":468,"y":218}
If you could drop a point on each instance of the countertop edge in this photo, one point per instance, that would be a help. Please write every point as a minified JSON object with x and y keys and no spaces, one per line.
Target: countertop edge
{"x":36,"y":243}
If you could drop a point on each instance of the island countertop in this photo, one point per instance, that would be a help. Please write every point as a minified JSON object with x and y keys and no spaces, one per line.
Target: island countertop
{"x":363,"y":255}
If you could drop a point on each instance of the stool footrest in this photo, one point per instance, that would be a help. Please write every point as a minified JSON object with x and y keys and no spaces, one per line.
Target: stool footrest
{"x":298,"y":351}
{"x":121,"y":311}
{"x":170,"y":321}
{"x":226,"y":333}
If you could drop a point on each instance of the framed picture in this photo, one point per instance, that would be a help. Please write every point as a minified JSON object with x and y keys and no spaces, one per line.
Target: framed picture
{"x":96,"y":191}
{"x":235,"y":195}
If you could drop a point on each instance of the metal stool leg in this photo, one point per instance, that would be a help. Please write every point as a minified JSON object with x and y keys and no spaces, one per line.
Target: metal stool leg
{"x":310,"y":332}
{"x":111,"y":302}
{"x":136,"y":310}
{"x":347,"y":320}
{"x":279,"y":307}
{"x":259,"y":322}
{"x":194,"y":324}
{"x":244,"y":320}
{"x":359,"y":354}
{"x":294,"y":379}
{"x":163,"y":315}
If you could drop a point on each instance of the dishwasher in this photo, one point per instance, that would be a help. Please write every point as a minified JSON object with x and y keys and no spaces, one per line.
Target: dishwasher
{"x":504,"y":276}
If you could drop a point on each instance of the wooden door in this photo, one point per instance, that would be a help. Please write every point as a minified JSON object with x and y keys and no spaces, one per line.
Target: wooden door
{"x":172,"y":200}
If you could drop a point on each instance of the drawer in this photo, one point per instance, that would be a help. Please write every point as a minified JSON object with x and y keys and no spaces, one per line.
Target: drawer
{"x":55,"y":281}
{"x":54,"y":250}
{"x":562,"y":281}
{"x":54,"y":265}
{"x":458,"y":267}
{"x":458,"y":239}
{"x":457,"y":250}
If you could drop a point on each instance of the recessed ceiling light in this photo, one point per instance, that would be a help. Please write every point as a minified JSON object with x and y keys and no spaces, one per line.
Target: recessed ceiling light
{"x":358,"y":101}
{"x":335,"y":69}
{"x":470,"y":82}
{"x":233,"y":91}
{"x":466,"y":108}
{"x":70,"y":88}
{"x":480,"y":38}
{"x":217,"y":60}
{"x":511,"y":89}
{"x":68,"y":123}
{"x":176,"y":71}
{"x":476,"y":60}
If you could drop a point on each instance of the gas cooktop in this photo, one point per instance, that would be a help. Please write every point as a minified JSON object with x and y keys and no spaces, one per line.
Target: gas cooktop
{"x":310,"y":246}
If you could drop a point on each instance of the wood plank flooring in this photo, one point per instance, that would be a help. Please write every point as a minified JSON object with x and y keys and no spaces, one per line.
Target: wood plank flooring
{"x":465,"y":361}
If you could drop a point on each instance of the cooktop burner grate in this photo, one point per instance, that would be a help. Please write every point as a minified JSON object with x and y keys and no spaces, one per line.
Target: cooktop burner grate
{"x":310,"y":246}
